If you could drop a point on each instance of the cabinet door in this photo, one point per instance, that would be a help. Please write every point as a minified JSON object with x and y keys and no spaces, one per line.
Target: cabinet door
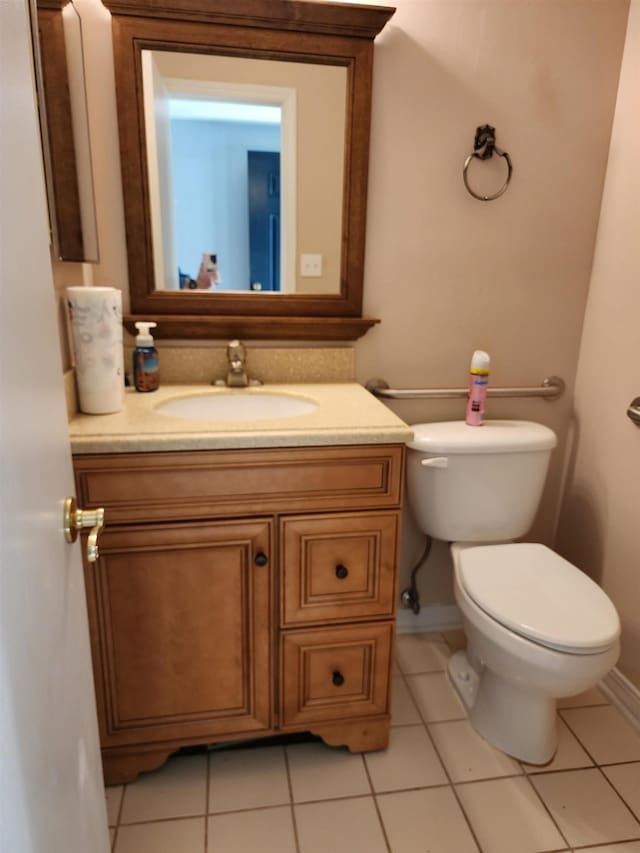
{"x":181,"y":630}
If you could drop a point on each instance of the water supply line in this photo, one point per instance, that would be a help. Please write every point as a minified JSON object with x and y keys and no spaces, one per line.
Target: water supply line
{"x":409,"y":597}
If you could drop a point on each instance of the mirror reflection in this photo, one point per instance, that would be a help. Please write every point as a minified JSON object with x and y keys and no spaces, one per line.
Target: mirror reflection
{"x":235,"y":149}
{"x":246,"y":167}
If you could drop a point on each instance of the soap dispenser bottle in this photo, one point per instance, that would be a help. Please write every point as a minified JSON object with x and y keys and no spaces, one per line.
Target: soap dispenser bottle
{"x":146,"y":375}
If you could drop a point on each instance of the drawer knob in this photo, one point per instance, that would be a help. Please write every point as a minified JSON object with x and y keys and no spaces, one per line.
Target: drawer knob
{"x":341,"y":571}
{"x":261,"y":559}
{"x":338,"y":678}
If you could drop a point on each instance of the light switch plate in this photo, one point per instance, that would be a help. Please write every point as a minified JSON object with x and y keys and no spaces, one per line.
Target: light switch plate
{"x":311,"y":266}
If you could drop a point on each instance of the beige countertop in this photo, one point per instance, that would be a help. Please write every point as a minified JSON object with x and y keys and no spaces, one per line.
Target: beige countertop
{"x":346,"y":414}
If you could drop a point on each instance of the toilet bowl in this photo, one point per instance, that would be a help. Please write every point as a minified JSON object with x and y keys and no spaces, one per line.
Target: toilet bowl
{"x":537,"y":627}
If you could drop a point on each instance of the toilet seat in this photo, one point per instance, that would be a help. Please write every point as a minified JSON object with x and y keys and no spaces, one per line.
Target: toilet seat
{"x":535,"y":593}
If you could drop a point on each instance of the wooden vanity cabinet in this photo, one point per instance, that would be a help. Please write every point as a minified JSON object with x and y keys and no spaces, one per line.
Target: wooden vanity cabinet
{"x":241,"y":594}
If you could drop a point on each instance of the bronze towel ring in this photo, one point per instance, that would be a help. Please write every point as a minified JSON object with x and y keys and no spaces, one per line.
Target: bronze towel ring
{"x":484,"y":146}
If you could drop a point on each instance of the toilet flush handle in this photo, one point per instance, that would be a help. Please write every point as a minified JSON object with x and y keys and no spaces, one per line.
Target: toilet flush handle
{"x":435,"y":462}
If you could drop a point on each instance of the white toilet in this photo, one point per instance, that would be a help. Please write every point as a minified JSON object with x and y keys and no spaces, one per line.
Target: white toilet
{"x":537,"y":627}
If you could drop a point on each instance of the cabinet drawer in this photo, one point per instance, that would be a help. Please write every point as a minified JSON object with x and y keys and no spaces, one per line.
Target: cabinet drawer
{"x":335,"y":673}
{"x":338,"y":567}
{"x":222,"y":483}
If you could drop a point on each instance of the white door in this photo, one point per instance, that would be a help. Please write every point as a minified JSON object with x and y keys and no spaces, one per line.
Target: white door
{"x":51,"y":792}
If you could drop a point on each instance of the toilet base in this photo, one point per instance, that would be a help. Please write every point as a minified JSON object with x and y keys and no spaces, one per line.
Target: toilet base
{"x":517,"y":721}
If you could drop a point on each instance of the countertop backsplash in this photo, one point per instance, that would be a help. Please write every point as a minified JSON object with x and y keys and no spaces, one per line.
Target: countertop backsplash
{"x":197,"y":365}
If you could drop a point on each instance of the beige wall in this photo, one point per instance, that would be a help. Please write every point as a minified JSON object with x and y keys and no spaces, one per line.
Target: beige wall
{"x":111,"y":270}
{"x":65,"y":275}
{"x":598,"y":526}
{"x":448,"y":274}
{"x":318,"y":225}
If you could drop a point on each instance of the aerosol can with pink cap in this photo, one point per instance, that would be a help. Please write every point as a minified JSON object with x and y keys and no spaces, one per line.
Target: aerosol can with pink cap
{"x":478,"y":382}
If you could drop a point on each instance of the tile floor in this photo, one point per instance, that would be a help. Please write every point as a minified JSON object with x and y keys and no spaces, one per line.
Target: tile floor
{"x":438,"y":788}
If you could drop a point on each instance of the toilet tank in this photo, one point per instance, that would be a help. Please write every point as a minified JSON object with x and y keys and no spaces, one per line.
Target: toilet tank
{"x":477,"y":484}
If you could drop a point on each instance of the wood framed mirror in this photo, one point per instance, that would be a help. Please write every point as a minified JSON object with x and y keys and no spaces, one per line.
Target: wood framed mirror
{"x":287,"y":45}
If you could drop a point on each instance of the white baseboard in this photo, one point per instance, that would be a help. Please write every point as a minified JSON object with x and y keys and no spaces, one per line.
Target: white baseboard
{"x":431,"y":618}
{"x":624,"y":695}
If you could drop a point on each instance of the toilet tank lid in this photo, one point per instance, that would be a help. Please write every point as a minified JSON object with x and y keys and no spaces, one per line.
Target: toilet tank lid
{"x":538,"y":594}
{"x":499,"y":436}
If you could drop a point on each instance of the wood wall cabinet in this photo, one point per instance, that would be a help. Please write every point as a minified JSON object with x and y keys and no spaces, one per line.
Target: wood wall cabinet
{"x":241,"y":594}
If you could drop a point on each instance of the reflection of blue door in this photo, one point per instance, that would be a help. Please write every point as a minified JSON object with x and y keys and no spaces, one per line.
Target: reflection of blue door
{"x":264,"y":220}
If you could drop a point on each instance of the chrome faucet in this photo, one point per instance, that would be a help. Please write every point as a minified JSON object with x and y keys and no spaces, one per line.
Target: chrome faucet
{"x":237,"y":373}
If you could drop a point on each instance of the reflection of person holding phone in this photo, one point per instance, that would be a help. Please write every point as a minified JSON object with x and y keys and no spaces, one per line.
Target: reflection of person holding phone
{"x":208,"y":275}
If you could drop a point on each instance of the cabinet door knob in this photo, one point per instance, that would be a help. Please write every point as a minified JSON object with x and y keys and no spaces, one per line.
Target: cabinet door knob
{"x":338,"y":678}
{"x":261,"y":559}
{"x":341,"y":571}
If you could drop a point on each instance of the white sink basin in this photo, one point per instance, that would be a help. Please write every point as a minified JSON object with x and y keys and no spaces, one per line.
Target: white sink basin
{"x":236,"y":406}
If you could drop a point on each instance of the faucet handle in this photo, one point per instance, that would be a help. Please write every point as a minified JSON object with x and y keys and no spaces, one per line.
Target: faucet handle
{"x":236,"y":351}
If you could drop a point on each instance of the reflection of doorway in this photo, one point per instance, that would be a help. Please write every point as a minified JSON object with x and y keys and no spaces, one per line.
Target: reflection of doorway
{"x":213,"y":216}
{"x":264,"y":219}
{"x":209,"y":193}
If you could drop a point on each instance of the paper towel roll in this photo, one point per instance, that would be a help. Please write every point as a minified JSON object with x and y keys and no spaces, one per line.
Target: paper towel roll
{"x":95,"y":321}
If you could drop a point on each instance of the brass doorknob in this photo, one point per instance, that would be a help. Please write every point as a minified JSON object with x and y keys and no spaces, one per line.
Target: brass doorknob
{"x":75,"y":519}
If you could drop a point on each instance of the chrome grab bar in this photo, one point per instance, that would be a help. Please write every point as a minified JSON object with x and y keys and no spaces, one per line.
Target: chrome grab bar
{"x":633,"y":412}
{"x":551,"y":388}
